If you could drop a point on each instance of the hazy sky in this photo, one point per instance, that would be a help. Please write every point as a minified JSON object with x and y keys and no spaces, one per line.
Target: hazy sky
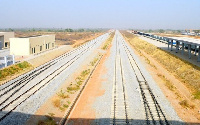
{"x":140,"y":14}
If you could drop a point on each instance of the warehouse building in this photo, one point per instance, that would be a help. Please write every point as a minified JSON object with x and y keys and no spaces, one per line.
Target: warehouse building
{"x":31,"y":45}
{"x":4,"y":39}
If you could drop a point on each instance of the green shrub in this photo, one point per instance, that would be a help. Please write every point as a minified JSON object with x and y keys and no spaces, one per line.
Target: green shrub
{"x":13,"y":69}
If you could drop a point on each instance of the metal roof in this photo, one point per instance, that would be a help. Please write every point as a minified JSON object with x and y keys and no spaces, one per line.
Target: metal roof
{"x":187,"y":40}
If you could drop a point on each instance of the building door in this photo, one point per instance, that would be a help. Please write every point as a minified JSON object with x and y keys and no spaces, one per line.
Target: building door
{"x":33,"y":50}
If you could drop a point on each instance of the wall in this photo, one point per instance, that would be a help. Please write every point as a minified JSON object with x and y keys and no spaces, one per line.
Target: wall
{"x":44,"y":42}
{"x":7,"y":35}
{"x":19,"y":46}
{"x":31,"y":45}
{"x":2,"y":41}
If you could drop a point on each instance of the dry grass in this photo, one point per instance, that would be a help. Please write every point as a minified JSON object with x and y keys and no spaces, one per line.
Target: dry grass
{"x":79,"y":80}
{"x":73,"y":88}
{"x":56,"y":102}
{"x":13,"y":69}
{"x":186,"y":104}
{"x":48,"y":121}
{"x":168,"y":83}
{"x":60,"y":103}
{"x":186,"y":72}
{"x":108,"y":42}
{"x":62,"y":38}
{"x":84,"y":73}
{"x":92,"y":63}
{"x":62,"y":94}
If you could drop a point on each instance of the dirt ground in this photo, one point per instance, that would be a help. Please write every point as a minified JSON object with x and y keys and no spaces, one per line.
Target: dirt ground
{"x":62,"y":38}
{"x":90,"y":93}
{"x":180,"y":93}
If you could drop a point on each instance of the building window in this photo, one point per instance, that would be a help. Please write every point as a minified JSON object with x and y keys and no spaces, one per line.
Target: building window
{"x":40,"y":48}
{"x":52,"y":44}
{"x":6,"y":44}
{"x":46,"y":46}
{"x":33,"y":50}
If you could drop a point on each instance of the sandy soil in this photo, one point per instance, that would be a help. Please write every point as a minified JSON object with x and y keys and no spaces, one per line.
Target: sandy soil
{"x":189,"y":115}
{"x":83,"y":113}
{"x":78,"y":42}
{"x":62,"y":38}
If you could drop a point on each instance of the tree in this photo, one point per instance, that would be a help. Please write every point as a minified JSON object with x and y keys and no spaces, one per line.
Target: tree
{"x":66,"y":30}
{"x":178,"y":31}
{"x":10,"y":29}
{"x":161,"y":31}
{"x":150,"y":31}
{"x":81,"y":30}
{"x":71,"y":30}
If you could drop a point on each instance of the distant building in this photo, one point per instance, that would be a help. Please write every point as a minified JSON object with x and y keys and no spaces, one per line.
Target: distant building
{"x":4,"y":39}
{"x":31,"y":45}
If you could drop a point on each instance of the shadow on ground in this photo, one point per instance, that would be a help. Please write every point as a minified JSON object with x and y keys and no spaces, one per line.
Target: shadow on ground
{"x":17,"y":118}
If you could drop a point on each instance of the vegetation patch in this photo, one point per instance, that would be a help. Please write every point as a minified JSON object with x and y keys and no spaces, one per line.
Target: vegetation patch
{"x":79,"y":80}
{"x":57,"y":102}
{"x":108,"y":42}
{"x":13,"y":69}
{"x":197,"y":95}
{"x":62,"y":94}
{"x":73,"y":88}
{"x":185,"y":104}
{"x":48,"y":120}
{"x":168,"y":83}
{"x":92,"y":63}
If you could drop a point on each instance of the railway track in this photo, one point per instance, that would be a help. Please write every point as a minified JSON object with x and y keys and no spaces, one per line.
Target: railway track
{"x":119,"y":106}
{"x":153,"y":111}
{"x":16,"y":91}
{"x":39,"y":68}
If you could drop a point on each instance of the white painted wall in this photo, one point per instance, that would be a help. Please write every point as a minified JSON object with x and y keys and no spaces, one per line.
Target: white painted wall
{"x":19,"y":46}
